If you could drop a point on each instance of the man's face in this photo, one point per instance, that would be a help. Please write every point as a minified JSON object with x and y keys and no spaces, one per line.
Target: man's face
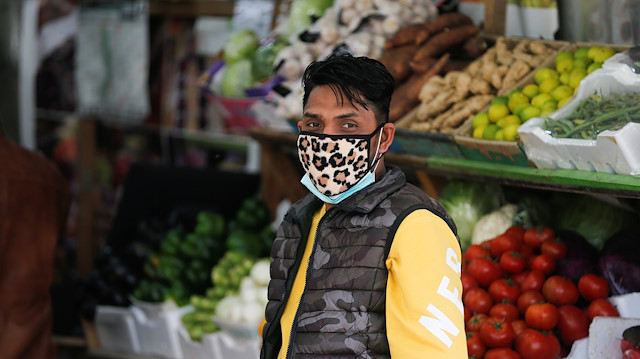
{"x":326,"y":114}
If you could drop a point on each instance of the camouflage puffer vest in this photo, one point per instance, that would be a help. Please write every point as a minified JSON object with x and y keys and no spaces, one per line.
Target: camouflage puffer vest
{"x":342,"y":311}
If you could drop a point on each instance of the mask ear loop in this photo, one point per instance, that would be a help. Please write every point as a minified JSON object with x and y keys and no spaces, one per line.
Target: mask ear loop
{"x":377,"y":160}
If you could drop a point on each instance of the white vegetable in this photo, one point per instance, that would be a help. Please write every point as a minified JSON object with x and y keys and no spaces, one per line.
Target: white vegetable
{"x":260,"y":272}
{"x":252,"y":312}
{"x":247,"y":289}
{"x":493,"y":224}
{"x":226,"y":308}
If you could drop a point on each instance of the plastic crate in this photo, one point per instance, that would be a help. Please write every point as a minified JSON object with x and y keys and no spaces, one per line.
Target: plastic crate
{"x":116,"y":329}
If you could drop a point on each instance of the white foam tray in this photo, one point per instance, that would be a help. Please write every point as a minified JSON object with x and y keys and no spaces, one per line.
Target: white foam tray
{"x":116,"y":329}
{"x":615,"y":152}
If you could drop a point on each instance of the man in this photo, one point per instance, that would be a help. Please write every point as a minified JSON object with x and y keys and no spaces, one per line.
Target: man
{"x":366,"y":265}
{"x":34,"y":202}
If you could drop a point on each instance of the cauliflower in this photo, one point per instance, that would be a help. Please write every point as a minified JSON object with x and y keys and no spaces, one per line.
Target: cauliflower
{"x":493,"y":223}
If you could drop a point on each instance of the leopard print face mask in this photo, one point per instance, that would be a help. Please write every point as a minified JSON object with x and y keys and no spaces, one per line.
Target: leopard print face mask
{"x":336,"y":163}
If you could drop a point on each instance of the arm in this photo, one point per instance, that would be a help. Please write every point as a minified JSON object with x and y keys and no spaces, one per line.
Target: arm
{"x":424,"y":292}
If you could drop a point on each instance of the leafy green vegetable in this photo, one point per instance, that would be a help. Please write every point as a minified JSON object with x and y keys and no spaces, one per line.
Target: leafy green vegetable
{"x":302,"y":12}
{"x":241,"y":45}
{"x":236,"y":77}
{"x":594,"y":218}
{"x":263,"y":61}
{"x":467,"y":201}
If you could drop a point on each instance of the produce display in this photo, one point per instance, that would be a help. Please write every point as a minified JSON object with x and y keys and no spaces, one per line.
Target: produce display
{"x":630,"y":343}
{"x":516,"y":302}
{"x":550,"y":89}
{"x":594,"y":115}
{"x":446,"y":102}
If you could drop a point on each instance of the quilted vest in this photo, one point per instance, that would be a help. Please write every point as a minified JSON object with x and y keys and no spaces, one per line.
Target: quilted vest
{"x":342,"y":309}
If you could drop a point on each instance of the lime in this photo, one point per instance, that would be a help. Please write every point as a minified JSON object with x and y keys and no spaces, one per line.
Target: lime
{"x":514,"y":91}
{"x":531,"y":90}
{"x":564,"y":78}
{"x":603,"y":53}
{"x":581,"y":53}
{"x":497,"y":111}
{"x":480,"y":119}
{"x":500,"y":99}
{"x":477,"y":132}
{"x":564,"y":65}
{"x":489,"y":132}
{"x":576,"y":76}
{"x":517,"y":99}
{"x":519,"y":109}
{"x":594,"y":66}
{"x":529,"y":112}
{"x":549,"y":106}
{"x":540,"y":99}
{"x":561,"y":92}
{"x":592,"y":51}
{"x":508,"y":121}
{"x":549,"y":84}
{"x":562,"y":55}
{"x":581,"y":63}
{"x":545,"y":73}
{"x":499,"y":136}
{"x":510,"y":133}
{"x":563,"y":101}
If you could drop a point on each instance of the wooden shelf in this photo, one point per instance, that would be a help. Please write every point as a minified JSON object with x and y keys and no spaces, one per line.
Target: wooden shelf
{"x":564,"y":180}
{"x":191,"y":8}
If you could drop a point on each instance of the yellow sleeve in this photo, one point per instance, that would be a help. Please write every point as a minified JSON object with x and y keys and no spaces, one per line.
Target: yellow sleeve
{"x":424,"y":293}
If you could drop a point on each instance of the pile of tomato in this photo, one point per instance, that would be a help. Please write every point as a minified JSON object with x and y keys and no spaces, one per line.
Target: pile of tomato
{"x":516,"y":306}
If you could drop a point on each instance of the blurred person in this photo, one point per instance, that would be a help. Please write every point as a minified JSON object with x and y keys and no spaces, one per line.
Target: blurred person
{"x":34,"y":203}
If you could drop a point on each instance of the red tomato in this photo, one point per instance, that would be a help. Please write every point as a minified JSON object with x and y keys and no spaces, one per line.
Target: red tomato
{"x":475,"y":346}
{"x":467,"y":282}
{"x":601,"y":307}
{"x":519,"y":326}
{"x":573,"y":324}
{"x":503,"y":243}
{"x":560,"y":291}
{"x":527,"y":298}
{"x":478,"y":300}
{"x":484,"y":271}
{"x":476,"y":320}
{"x":496,"y":332}
{"x":506,"y":311}
{"x":467,"y":314}
{"x":544,"y":263}
{"x":519,"y":277}
{"x":593,"y":287}
{"x":555,"y":247}
{"x":501,"y":353}
{"x":516,"y":231}
{"x":504,"y":290}
{"x":474,"y":251}
{"x":486,"y":244}
{"x":536,"y":235}
{"x":526,"y":252}
{"x":534,"y":281}
{"x":533,"y":344}
{"x":542,"y":316}
{"x":512,"y":262}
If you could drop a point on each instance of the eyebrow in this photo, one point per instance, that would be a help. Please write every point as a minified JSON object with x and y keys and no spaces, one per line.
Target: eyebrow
{"x":339,"y":117}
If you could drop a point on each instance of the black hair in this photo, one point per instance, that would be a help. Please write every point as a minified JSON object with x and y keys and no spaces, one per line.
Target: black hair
{"x":360,"y":80}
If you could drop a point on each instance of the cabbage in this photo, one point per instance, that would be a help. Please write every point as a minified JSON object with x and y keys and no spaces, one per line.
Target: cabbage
{"x":494,"y":223}
{"x":466,"y":202}
{"x":236,"y":77}
{"x":263,"y":61}
{"x":242,"y":44}
{"x":620,"y":262}
{"x":581,"y":258}
{"x":593,"y":217}
{"x":301,"y":13}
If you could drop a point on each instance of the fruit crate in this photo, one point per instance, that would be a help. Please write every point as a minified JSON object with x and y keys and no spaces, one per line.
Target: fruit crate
{"x":513,"y":152}
{"x":459,"y":143}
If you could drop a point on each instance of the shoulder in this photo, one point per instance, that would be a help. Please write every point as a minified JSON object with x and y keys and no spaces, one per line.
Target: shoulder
{"x":20,"y":163}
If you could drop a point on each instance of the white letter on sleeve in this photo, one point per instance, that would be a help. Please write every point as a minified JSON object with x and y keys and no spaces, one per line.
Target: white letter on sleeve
{"x":439,"y":325}
{"x":453,"y":261}
{"x":452,"y":296}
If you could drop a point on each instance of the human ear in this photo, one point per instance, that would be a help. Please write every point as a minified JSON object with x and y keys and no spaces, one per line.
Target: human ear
{"x":388,"y":133}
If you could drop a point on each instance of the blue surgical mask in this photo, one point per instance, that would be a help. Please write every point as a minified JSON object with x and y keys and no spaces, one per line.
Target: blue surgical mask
{"x":337,"y":166}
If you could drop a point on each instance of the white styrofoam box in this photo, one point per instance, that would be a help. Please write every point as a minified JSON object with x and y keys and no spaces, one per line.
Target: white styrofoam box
{"x":116,"y":329}
{"x":605,"y":334}
{"x":207,"y":348}
{"x":611,"y":152}
{"x":241,"y":330}
{"x":159,"y":335}
{"x":235,"y":348}
{"x":628,"y":305}
{"x":153,"y":310}
{"x":579,"y":349}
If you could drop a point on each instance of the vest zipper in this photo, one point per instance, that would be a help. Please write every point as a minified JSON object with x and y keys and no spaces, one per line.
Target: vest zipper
{"x":304,"y":288}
